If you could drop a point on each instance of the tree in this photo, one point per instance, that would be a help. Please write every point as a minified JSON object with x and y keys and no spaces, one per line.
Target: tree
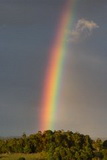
{"x":105,"y":144}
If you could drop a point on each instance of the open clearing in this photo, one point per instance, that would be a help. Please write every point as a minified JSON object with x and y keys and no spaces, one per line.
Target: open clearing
{"x":37,"y":156}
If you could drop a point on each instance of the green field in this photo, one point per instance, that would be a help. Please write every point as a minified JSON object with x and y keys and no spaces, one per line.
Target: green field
{"x":37,"y":156}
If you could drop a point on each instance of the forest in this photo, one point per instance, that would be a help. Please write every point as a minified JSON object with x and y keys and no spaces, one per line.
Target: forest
{"x":56,"y":145}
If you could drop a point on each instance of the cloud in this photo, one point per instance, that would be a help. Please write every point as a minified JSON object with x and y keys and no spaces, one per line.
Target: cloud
{"x":83,"y":29}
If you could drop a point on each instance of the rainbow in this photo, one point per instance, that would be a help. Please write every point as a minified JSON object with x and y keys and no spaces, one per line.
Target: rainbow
{"x":54,"y":68}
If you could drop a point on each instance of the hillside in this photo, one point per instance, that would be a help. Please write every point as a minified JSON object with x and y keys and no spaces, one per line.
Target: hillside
{"x":56,"y":145}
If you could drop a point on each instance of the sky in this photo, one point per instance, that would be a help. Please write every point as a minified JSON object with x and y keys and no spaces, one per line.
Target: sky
{"x":27,"y":29}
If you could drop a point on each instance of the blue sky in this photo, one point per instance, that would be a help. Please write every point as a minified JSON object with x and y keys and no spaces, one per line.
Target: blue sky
{"x":27,"y":28}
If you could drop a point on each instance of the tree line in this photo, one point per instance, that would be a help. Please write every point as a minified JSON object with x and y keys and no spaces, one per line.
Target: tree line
{"x":58,"y":145}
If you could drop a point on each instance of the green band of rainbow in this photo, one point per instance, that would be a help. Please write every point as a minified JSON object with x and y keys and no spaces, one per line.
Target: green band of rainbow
{"x":54,"y":69}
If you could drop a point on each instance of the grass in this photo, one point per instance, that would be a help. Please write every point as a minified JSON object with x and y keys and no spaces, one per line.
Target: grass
{"x":16,"y":156}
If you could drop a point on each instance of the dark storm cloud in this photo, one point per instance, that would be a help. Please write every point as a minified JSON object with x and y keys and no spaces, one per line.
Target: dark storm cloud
{"x":27,"y":12}
{"x":85,"y":91}
{"x":27,"y":28}
{"x":82,"y":105}
{"x":26,"y":32}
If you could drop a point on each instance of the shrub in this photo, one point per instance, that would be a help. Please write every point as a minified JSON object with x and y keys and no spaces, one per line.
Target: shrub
{"x":21,"y":158}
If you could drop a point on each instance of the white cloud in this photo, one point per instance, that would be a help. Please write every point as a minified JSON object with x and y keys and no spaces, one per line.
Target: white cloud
{"x":82,"y":30}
